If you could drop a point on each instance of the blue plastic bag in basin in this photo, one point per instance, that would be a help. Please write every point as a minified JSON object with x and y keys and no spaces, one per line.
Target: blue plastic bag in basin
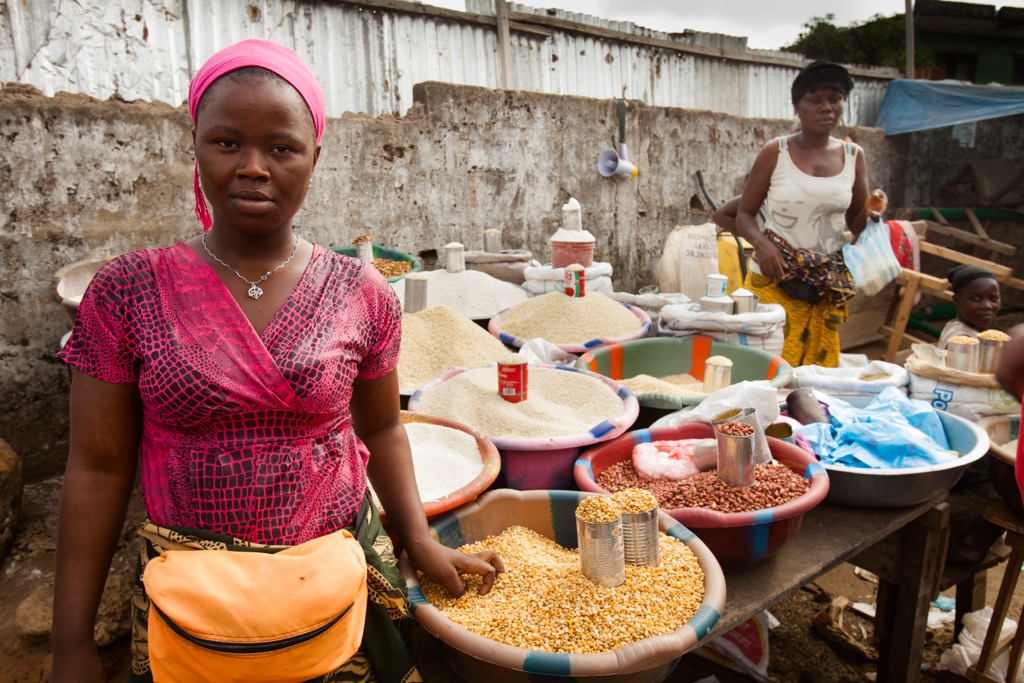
{"x":892,"y":431}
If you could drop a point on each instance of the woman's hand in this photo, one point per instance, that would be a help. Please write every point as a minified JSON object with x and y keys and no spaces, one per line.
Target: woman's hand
{"x":769,"y":260}
{"x":445,"y":565}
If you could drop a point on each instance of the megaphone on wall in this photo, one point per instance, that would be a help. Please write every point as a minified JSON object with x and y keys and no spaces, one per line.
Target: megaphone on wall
{"x":611,"y":163}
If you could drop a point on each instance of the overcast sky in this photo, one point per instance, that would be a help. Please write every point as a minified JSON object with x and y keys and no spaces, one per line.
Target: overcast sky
{"x":767,"y":25}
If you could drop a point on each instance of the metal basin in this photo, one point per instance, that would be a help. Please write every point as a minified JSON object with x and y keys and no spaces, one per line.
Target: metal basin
{"x":897,"y":487}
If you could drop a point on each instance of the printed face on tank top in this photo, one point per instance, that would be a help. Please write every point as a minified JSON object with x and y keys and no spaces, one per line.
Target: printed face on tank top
{"x":809,"y":212}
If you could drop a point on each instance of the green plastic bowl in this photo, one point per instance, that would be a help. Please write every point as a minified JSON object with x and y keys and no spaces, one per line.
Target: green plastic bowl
{"x":665,"y":356}
{"x":384,"y":252}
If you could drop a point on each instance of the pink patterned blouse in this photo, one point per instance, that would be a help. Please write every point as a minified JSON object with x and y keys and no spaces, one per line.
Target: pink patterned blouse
{"x":243,"y":434}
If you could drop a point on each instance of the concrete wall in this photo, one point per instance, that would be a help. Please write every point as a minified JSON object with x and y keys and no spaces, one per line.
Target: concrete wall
{"x":81,"y":178}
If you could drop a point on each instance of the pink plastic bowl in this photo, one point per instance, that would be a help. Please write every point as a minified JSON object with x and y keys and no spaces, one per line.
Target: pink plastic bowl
{"x":736,"y":539}
{"x":494,"y":327}
{"x":547,"y":463}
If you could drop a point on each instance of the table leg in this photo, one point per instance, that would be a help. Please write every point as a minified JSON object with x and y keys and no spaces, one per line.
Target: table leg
{"x":902,"y":607}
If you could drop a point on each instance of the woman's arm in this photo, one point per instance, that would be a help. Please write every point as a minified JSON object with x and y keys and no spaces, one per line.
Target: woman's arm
{"x":377,"y":419}
{"x":106,"y":426}
{"x":725,"y":215}
{"x":856,"y":215}
{"x":767,"y":255}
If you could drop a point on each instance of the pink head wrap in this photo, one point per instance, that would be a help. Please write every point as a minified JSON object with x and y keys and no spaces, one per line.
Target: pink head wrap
{"x":268,"y":55}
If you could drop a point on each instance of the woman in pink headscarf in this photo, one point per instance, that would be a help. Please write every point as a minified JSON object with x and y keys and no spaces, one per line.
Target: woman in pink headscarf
{"x":247,"y":376}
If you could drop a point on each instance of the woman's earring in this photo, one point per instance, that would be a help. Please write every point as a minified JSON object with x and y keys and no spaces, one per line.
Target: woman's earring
{"x":310,"y":182}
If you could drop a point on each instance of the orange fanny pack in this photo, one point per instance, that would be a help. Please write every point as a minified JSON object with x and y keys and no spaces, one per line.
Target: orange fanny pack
{"x":230,"y":615}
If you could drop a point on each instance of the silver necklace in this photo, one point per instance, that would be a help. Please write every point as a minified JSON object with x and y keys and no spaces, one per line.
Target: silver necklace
{"x":255,"y":292}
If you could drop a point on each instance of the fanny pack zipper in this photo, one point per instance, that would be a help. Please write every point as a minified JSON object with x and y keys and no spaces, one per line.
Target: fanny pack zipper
{"x":249,"y":648}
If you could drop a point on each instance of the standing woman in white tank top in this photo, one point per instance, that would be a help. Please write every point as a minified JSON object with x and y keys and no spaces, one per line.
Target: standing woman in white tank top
{"x":813,"y":186}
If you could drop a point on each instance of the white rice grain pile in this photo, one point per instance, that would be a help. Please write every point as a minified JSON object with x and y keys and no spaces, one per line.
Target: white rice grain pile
{"x":444,"y":459}
{"x":437,"y":338}
{"x":673,"y":385}
{"x":562,"y":319}
{"x":470,"y":292}
{"x":559,"y":403}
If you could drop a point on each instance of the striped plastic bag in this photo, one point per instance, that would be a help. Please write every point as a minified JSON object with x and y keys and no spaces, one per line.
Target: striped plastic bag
{"x":870,"y":259}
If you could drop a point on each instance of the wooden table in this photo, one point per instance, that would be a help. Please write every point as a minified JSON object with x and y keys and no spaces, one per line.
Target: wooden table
{"x":905,"y":547}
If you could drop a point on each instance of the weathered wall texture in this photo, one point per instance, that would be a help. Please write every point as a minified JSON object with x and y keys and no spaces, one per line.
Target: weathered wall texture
{"x":81,"y":178}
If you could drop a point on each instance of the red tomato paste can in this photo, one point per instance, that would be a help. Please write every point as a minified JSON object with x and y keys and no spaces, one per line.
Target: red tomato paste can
{"x":575,"y":281}
{"x":512,"y":379}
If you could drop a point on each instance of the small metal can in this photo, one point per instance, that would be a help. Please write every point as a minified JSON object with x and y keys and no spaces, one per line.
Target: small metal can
{"x":717,"y":304}
{"x":364,"y":251}
{"x":415,"y":292}
{"x":513,"y":378}
{"x":961,"y":356}
{"x":990,"y":354}
{"x":705,"y":455}
{"x":492,"y":241}
{"x":602,"y":554}
{"x":454,"y":257}
{"x":575,"y":281}
{"x":717,"y":375}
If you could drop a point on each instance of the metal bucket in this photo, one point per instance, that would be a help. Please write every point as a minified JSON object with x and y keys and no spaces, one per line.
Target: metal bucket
{"x":602,"y":555}
{"x":640,"y":538}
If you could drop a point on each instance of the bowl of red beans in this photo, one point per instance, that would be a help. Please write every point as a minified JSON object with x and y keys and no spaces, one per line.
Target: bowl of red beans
{"x":741,"y":525}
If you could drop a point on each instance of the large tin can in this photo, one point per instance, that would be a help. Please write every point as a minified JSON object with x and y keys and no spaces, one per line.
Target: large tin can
{"x":736,"y":457}
{"x":640,"y":538}
{"x":960,"y":356}
{"x":602,"y":554}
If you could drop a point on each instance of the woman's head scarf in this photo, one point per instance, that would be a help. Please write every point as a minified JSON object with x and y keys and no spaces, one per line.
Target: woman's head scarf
{"x":265,"y":54}
{"x":962,"y":275}
{"x":818,"y":75}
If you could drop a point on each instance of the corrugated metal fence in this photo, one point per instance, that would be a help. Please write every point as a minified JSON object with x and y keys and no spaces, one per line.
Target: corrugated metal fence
{"x":368,"y":54}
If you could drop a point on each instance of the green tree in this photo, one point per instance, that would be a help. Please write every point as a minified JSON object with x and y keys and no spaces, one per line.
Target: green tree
{"x":880,"y":41}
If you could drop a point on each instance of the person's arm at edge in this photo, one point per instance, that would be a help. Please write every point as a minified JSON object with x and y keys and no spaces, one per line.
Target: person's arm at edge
{"x":767,"y":255}
{"x":1010,"y":373}
{"x":856,"y":215}
{"x":106,"y":426}
{"x":377,"y":420}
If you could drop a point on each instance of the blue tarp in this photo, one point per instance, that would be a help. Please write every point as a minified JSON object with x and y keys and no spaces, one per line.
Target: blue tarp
{"x":921,"y":105}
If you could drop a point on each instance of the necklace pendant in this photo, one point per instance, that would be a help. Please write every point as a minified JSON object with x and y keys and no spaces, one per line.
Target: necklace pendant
{"x":255,"y":292}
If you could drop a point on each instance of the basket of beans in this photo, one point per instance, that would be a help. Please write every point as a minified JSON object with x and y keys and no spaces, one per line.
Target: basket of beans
{"x":742,"y":525}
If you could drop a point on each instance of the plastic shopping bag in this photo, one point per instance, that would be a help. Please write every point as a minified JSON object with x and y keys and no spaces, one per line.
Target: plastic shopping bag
{"x":870,"y":259}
